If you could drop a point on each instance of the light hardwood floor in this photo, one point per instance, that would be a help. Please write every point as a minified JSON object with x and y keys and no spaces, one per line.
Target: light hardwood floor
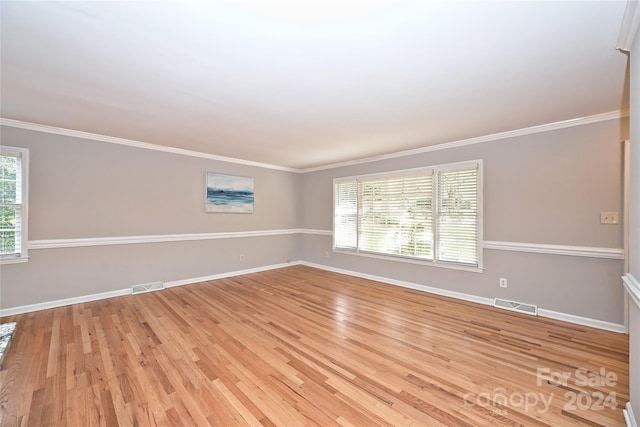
{"x":301,"y":346}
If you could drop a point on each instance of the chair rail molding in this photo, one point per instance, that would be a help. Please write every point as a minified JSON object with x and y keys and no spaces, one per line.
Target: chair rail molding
{"x":632,"y":287}
{"x":541,"y":248}
{"x":162,"y":238}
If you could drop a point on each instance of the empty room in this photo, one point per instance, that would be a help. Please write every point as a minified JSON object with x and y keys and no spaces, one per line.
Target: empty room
{"x":320,"y":213}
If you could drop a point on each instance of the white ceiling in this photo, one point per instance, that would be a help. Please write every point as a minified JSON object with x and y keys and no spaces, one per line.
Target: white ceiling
{"x":303,"y":84}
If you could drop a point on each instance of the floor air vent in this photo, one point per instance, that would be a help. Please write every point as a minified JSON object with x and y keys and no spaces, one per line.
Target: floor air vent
{"x":147,"y":287}
{"x":516,"y":306}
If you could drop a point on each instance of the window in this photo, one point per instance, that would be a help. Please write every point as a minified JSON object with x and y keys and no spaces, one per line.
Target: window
{"x":429,"y":214}
{"x":13,"y":204}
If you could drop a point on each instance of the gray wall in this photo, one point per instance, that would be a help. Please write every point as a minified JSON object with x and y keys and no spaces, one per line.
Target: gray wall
{"x":545,"y":188}
{"x":82,"y":188}
{"x":88,"y":189}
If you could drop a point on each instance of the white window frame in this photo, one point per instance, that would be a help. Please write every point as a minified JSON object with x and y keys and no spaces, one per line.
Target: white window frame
{"x":434,"y":170}
{"x":23,"y":254}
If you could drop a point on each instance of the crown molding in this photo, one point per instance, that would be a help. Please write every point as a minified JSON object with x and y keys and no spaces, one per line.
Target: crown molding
{"x":629,"y":27}
{"x":132,"y":143}
{"x":612,"y":115}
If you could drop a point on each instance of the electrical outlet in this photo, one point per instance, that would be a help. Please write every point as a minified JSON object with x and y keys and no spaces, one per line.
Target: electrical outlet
{"x":503,"y":282}
{"x":608,"y":217}
{"x":327,"y":254}
{"x":241,"y":257}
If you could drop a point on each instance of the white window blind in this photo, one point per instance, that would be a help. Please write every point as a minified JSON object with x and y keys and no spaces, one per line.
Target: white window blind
{"x":431,"y":214}
{"x":457,"y":223}
{"x":13,"y":239}
{"x":395,"y":216}
{"x":346,"y":215}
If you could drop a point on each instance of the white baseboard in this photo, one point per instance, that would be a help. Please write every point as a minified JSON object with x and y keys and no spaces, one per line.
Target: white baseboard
{"x":62,"y":302}
{"x":629,"y":417}
{"x":228,"y":274}
{"x":584,"y":321}
{"x":410,"y":285}
{"x":127,"y":291}
{"x":570,"y":318}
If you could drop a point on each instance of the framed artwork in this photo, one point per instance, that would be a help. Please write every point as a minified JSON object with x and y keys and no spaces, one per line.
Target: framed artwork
{"x":229,"y":193}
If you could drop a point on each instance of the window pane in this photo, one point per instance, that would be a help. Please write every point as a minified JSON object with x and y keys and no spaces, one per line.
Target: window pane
{"x":396,"y":217}
{"x":346,"y":215}
{"x":398,"y":213}
{"x":8,"y":192}
{"x":8,"y":226}
{"x":9,"y":167}
{"x":9,"y":175}
{"x":457,"y":242}
{"x":11,"y":201}
{"x":458,"y":216}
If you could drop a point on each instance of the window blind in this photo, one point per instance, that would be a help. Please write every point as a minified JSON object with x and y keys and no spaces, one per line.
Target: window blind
{"x":395,"y":216}
{"x":431,"y":214}
{"x":346,"y":215}
{"x":457,"y":219}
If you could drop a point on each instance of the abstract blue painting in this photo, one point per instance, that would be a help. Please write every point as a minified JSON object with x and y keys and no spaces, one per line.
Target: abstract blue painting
{"x":229,"y":193}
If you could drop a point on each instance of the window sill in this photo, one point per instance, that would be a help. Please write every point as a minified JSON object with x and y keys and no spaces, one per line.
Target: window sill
{"x":16,"y":260}
{"x":426,"y":263}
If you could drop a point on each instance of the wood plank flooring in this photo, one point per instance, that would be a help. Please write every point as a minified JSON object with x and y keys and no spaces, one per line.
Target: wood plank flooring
{"x":305,"y":347}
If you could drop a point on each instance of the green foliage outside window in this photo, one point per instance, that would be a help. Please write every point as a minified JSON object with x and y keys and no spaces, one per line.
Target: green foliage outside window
{"x":9,"y":210}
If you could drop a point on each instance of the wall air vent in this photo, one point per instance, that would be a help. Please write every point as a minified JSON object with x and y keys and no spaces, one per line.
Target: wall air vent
{"x":147,"y":287}
{"x":516,"y":306}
